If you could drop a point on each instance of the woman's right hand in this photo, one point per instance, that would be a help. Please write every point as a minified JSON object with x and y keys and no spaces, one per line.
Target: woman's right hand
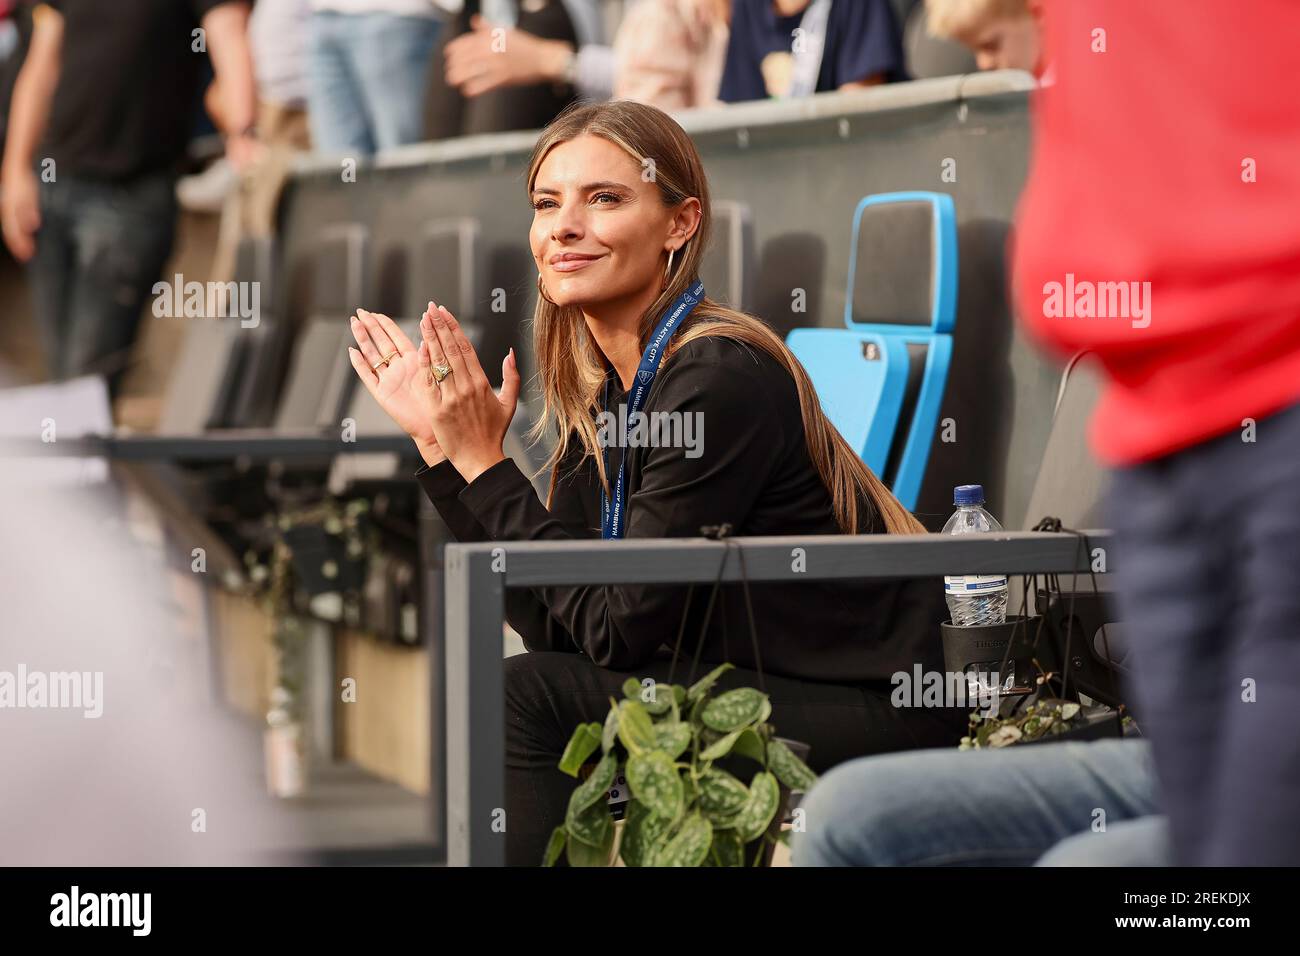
{"x":401,"y":387}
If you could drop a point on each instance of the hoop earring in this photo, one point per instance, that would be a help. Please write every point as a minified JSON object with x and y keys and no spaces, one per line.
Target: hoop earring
{"x":541,"y":290}
{"x":668,"y":273}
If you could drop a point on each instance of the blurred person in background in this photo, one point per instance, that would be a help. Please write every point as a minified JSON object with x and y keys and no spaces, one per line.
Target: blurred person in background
{"x":367,"y":63}
{"x":670,"y":53}
{"x":278,"y":33}
{"x":277,"y":36}
{"x":793,"y":48}
{"x":515,"y":64}
{"x":1003,"y":34}
{"x":666,"y":53}
{"x":1157,"y":231}
{"x":99,"y":122}
{"x":248,"y":200}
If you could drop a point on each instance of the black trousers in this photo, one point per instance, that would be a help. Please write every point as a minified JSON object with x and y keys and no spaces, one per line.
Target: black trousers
{"x":101,"y":248}
{"x":549,"y":694}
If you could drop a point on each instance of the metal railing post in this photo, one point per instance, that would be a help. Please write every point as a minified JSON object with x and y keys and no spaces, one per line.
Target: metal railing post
{"x":475,"y":708}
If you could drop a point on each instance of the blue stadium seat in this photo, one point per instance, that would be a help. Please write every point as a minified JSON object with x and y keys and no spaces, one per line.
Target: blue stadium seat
{"x":881,"y":378}
{"x":860,"y":381}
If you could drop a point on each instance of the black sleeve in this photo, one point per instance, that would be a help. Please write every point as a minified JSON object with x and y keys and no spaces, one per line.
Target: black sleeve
{"x":443,"y":484}
{"x":622,"y":626}
{"x":525,"y":609}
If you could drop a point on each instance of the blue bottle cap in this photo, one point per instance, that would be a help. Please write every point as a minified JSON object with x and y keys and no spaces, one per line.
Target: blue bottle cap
{"x":968,"y":495}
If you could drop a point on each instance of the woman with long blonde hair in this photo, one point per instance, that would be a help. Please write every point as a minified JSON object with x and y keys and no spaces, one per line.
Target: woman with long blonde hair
{"x":670,"y":412}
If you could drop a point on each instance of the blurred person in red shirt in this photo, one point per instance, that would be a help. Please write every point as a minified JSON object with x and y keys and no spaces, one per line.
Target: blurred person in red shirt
{"x":1158,"y":231}
{"x":98,"y":125}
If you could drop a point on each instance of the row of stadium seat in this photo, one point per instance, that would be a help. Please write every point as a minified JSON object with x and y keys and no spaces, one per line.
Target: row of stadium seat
{"x":880,"y":379}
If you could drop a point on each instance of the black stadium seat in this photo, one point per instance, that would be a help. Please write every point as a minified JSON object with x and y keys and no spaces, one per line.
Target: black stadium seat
{"x":321,"y":378}
{"x":215,"y":377}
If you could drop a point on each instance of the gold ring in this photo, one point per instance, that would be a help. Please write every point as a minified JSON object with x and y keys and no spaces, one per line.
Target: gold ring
{"x":440,"y":372}
{"x":384,"y":361}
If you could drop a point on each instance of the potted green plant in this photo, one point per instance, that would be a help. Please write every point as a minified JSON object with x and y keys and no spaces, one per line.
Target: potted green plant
{"x":684,"y":809}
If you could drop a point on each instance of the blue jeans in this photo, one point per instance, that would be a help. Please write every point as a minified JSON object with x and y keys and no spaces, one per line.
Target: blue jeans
{"x":366,"y":80}
{"x":100,"y":249}
{"x":1140,"y":842}
{"x":1004,"y":807}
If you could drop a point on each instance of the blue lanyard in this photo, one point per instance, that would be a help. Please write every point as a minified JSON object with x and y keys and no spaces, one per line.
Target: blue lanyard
{"x":674,"y":315}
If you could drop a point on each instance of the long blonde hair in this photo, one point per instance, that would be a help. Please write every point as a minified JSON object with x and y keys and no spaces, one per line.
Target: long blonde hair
{"x":572,"y":372}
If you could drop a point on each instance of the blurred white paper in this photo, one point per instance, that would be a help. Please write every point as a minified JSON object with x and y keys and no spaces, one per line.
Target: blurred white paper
{"x":56,"y":412}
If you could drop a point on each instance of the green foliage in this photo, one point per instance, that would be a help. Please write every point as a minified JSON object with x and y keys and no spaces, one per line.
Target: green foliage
{"x":755,"y":816}
{"x":1039,"y":720}
{"x":582,"y":745}
{"x":688,"y":846}
{"x":672,"y":737}
{"x":734,"y":710}
{"x":654,"y":779}
{"x":586,"y":854}
{"x":554,"y":846}
{"x":635,"y":727}
{"x":642,"y":829}
{"x":683,"y":810}
{"x":591,"y":790}
{"x":702,"y":686}
{"x":721,"y":747}
{"x":789,"y":769}
{"x":727,"y":850}
{"x":721,"y":793}
{"x":610,"y":733}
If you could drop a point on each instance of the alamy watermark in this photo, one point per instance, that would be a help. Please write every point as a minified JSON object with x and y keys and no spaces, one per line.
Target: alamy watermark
{"x":651,"y":430}
{"x":977,"y":690}
{"x":209,"y":300}
{"x":131,"y":911}
{"x":55,"y":690}
{"x":1083,"y":299}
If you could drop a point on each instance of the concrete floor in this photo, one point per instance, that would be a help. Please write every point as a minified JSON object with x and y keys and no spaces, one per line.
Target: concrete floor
{"x":348,"y":817}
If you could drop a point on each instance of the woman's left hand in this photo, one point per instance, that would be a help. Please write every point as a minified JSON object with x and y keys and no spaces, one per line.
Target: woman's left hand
{"x":469,"y":418}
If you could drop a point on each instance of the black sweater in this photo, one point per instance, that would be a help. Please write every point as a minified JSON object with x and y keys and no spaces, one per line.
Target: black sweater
{"x":753,"y":472}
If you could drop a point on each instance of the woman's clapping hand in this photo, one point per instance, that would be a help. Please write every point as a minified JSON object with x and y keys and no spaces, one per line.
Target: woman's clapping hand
{"x":402,"y":386}
{"x":470,"y":419}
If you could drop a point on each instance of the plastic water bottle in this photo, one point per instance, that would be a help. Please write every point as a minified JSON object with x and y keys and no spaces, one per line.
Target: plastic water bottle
{"x":974,"y":598}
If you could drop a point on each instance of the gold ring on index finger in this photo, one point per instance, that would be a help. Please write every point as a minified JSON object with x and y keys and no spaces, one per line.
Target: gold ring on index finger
{"x":383,"y":362}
